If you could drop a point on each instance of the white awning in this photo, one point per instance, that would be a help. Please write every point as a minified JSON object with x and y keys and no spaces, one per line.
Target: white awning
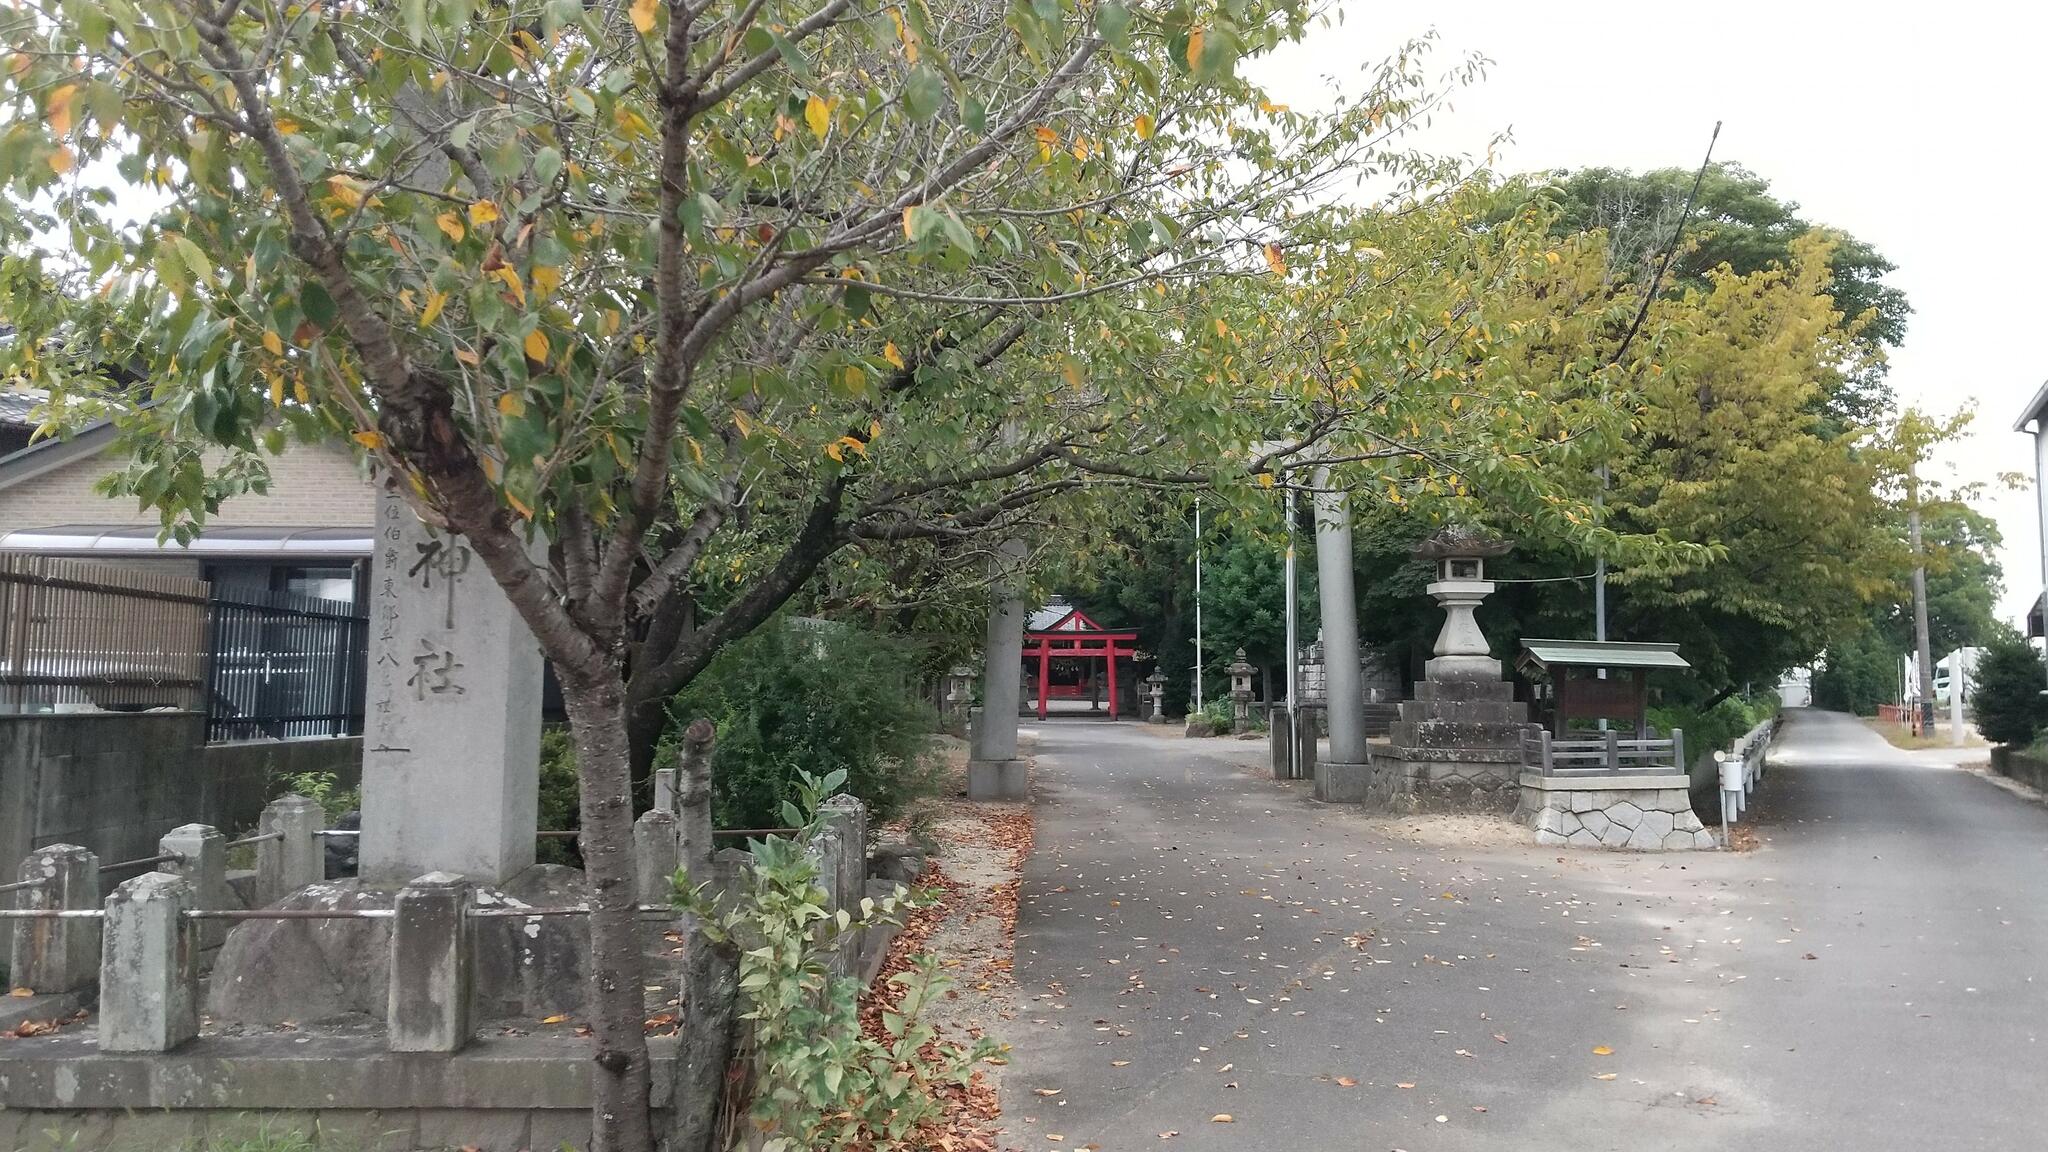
{"x":130,"y":540}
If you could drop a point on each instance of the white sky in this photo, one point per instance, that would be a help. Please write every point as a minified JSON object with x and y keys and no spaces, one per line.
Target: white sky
{"x":1908,"y":125}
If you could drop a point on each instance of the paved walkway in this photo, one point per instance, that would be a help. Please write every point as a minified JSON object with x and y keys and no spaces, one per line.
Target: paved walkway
{"x":1195,"y":942}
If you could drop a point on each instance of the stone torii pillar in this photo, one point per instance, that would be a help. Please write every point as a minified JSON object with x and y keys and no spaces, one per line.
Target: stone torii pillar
{"x":1343,"y":777}
{"x":993,"y":770}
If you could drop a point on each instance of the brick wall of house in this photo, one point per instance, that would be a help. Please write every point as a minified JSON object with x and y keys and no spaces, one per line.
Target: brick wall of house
{"x":311,"y":486}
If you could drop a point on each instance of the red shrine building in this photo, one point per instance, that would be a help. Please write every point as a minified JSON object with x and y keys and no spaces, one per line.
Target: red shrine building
{"x":1069,"y":657}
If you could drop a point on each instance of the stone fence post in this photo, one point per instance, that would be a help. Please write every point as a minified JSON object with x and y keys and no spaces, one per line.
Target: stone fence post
{"x":433,"y":965}
{"x":291,"y":858}
{"x":657,"y":853}
{"x":665,"y":789}
{"x":849,"y":817}
{"x":202,"y":861}
{"x":57,"y":955}
{"x":149,"y":973}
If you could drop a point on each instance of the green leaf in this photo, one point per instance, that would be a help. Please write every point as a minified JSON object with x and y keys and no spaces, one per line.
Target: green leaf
{"x":414,"y":15}
{"x":318,"y":305}
{"x":1113,"y":22}
{"x":546,"y":163}
{"x":956,"y":231}
{"x":924,"y":93}
{"x":974,"y":114}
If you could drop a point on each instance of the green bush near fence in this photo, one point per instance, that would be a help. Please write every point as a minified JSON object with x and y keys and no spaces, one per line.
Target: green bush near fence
{"x":1716,"y":727}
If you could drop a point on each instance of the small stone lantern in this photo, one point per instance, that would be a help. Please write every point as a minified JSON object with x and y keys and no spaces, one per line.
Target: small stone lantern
{"x":959,"y":695}
{"x":1461,"y":553}
{"x":1240,"y":693}
{"x":1155,"y":684}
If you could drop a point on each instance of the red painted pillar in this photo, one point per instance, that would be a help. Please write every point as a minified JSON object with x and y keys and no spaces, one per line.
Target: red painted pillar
{"x":1110,"y":659}
{"x":1044,"y":668}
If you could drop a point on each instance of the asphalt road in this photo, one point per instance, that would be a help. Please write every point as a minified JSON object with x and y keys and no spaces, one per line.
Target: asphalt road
{"x":1195,"y":942}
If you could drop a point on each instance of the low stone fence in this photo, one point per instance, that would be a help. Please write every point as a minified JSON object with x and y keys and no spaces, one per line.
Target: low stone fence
{"x":1641,"y":811}
{"x":2018,"y":764}
{"x":138,"y":952}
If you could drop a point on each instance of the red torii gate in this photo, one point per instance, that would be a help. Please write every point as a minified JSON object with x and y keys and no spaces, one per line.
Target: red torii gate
{"x":1059,"y":630}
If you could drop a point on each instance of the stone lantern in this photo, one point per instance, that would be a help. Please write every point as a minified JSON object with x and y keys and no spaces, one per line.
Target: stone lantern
{"x":959,"y":695}
{"x":1240,"y":692}
{"x":1155,"y":684}
{"x":1461,"y":553}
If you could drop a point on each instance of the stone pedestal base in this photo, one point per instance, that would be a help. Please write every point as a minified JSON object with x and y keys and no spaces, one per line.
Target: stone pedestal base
{"x":1647,"y":813}
{"x":1444,"y":780}
{"x":1340,"y":783}
{"x":1457,"y":746}
{"x":998,"y":779}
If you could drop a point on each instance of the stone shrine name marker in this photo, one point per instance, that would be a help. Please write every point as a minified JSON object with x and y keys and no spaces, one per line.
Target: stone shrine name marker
{"x":451,"y":738}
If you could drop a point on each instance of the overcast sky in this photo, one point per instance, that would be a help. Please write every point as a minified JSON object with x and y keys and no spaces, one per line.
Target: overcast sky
{"x":1919,"y":132}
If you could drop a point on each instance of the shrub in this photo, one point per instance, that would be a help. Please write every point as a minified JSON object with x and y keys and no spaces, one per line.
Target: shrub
{"x":1716,"y":727}
{"x":810,"y":697}
{"x":819,"y":1081}
{"x":2006,"y":700}
{"x":558,"y":809}
{"x":324,"y":789}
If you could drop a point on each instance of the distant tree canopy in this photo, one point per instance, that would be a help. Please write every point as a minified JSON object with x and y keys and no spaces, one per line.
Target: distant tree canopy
{"x":1737,"y":222}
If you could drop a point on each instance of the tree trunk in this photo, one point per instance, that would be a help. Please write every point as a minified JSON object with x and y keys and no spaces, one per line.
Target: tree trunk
{"x":705,"y":1042}
{"x":597,"y":716}
{"x":645,"y":720}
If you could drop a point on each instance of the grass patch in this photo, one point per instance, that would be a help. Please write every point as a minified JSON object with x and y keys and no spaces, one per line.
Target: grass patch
{"x":1900,"y":736}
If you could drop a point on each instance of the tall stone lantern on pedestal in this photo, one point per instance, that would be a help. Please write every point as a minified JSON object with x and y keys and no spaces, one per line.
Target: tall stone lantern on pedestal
{"x":1240,"y":693}
{"x":1155,"y":685}
{"x":1457,"y":745}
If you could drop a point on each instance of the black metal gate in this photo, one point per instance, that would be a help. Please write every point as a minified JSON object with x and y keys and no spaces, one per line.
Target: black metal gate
{"x":281,"y":665}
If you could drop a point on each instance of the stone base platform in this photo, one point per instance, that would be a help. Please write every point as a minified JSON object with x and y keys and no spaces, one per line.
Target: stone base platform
{"x":1443,"y":780}
{"x":999,"y":780}
{"x":341,"y":1092}
{"x":1639,"y":811}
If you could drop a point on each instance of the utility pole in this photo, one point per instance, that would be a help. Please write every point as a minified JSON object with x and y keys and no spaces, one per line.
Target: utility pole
{"x":1922,"y":647}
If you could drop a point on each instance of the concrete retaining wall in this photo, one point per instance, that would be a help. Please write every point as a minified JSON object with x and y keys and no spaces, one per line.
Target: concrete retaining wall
{"x":115,"y":782}
{"x":2016,"y":764}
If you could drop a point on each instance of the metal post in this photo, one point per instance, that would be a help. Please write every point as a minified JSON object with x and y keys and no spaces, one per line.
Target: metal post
{"x":1678,"y":750}
{"x":1955,"y":698}
{"x":1546,"y":751}
{"x":1293,"y":656}
{"x":1613,"y":751}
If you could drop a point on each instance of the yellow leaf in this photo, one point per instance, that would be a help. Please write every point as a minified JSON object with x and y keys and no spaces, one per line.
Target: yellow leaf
{"x":739,"y":421}
{"x":525,"y":512}
{"x":1604,"y":1076}
{"x":1270,"y":108}
{"x":60,"y":160}
{"x":468,"y":356}
{"x":286,"y":126}
{"x":371,"y":440}
{"x":1553,"y":257}
{"x":642,"y":12}
{"x":510,"y":277}
{"x":1603,"y":1050}
{"x":452,"y":225}
{"x":276,"y":390}
{"x":1222,"y":329}
{"x":511,"y":404}
{"x":851,"y":442}
{"x":1071,"y":369}
{"x":833,"y":450}
{"x":482,"y":212}
{"x":818,"y":115}
{"x":1275,"y":261}
{"x":348,"y":191}
{"x":537,"y":346}
{"x":874,"y":429}
{"x":1195,"y":48}
{"x":1046,"y":135}
{"x":1223,"y":1118}
{"x":904,"y":34}
{"x":57,"y":110}
{"x":272,"y":344}
{"x":1265,"y":479}
{"x":892,"y":355}
{"x":432,"y":312}
{"x":1143,"y":124}
{"x":22,"y":993}
{"x":907,"y":220}
{"x":1457,"y":402}
{"x":545,"y":279}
